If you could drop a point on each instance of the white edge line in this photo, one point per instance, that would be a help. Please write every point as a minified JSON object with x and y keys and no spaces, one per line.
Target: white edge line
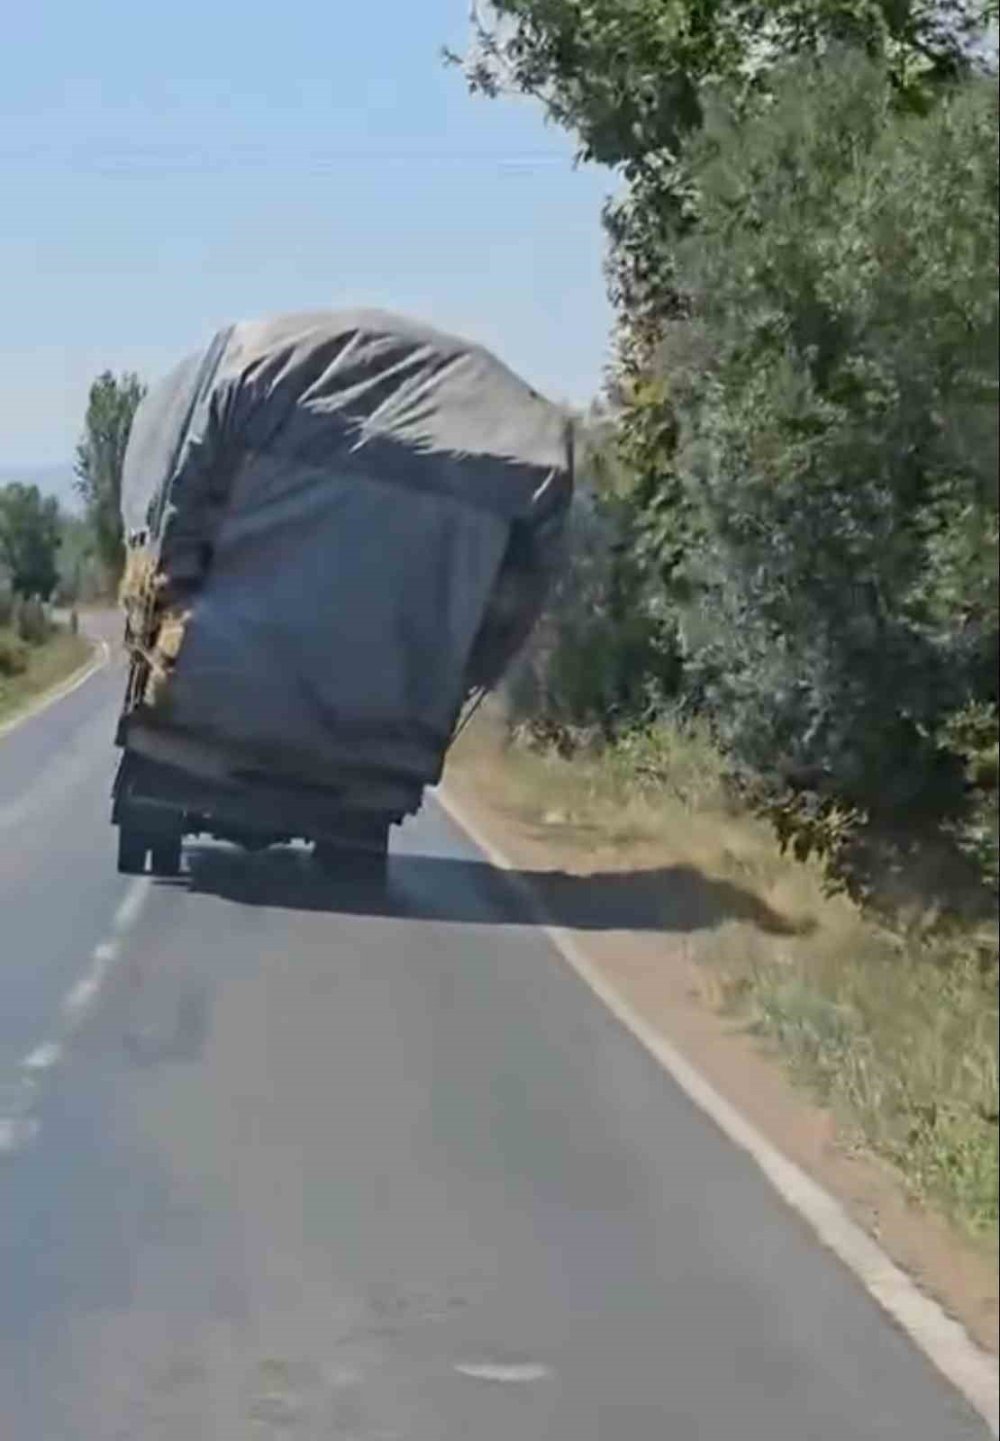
{"x":100,"y":658}
{"x":971,"y":1370}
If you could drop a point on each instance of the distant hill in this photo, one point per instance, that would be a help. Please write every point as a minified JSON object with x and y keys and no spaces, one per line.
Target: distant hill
{"x":57,"y":480}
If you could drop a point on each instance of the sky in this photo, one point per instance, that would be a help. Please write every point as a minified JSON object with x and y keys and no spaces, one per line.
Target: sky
{"x":167,"y":169}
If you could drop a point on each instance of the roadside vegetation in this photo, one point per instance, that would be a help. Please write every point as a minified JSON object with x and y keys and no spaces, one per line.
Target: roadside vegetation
{"x":35,"y":652}
{"x":891,"y":1022}
{"x":775,"y":645}
{"x":51,"y":560}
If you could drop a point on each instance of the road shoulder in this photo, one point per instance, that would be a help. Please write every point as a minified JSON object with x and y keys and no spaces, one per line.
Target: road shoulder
{"x":72,"y":661}
{"x":656,"y":977}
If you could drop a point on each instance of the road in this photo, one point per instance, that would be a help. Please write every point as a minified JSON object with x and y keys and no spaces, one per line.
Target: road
{"x":291,"y":1162}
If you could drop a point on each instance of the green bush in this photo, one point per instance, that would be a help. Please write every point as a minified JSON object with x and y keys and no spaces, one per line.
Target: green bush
{"x":13,"y":655}
{"x":803,"y":540}
{"x":836,"y":393}
{"x":804,"y":547}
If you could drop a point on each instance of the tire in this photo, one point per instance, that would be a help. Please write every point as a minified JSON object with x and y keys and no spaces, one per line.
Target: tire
{"x":166,"y":860}
{"x":132,"y":851}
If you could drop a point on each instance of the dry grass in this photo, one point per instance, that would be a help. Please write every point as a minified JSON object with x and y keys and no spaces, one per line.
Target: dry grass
{"x":896,"y":1031}
{"x":47,"y":665}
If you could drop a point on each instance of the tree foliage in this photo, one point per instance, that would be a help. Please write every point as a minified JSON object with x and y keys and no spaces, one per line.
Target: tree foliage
{"x":631,"y":80}
{"x":829,"y":549}
{"x":803,"y":262}
{"x":80,"y":576}
{"x":29,"y":540}
{"x":628,"y":77}
{"x":100,"y":456}
{"x":837,"y":388}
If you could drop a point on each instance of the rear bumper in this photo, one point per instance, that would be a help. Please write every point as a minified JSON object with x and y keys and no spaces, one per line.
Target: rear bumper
{"x":157,"y":798}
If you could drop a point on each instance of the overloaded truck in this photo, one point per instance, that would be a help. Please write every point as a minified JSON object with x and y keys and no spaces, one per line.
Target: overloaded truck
{"x":340,"y":528}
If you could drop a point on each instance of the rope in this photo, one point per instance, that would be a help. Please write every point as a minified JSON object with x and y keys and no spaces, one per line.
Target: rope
{"x":473,"y":705}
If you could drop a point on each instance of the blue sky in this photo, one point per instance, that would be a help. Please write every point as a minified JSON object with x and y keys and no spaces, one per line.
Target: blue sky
{"x":166,"y":169}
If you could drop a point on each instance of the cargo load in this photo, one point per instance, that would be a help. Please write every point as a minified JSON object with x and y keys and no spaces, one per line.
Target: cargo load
{"x":340,"y":528}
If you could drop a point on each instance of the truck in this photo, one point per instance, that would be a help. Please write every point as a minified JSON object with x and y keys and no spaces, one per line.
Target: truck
{"x":340,"y":528}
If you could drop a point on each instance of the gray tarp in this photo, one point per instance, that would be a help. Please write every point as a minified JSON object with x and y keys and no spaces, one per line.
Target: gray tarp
{"x":363,"y":514}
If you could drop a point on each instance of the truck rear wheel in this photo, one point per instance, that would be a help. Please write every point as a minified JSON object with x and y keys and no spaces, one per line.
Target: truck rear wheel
{"x":166,"y":859}
{"x":132,"y":852}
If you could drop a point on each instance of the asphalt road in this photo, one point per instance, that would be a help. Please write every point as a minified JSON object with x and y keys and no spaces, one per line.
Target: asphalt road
{"x":292,"y":1162}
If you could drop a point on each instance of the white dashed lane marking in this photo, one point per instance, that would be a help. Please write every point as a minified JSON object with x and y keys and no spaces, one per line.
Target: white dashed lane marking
{"x":19,"y":1097}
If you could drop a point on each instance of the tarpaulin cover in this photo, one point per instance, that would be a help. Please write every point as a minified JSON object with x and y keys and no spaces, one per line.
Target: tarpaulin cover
{"x":361,"y":514}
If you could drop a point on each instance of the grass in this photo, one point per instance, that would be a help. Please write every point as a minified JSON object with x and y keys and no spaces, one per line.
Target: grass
{"x":899,"y":1035}
{"x":47,"y":665}
{"x":896,"y":1030}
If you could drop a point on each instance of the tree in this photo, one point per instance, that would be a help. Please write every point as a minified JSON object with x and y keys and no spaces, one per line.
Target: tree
{"x":79,"y":571}
{"x":29,"y":539}
{"x":100,"y":457}
{"x":803,"y":264}
{"x":631,"y":79}
{"x":836,"y":391}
